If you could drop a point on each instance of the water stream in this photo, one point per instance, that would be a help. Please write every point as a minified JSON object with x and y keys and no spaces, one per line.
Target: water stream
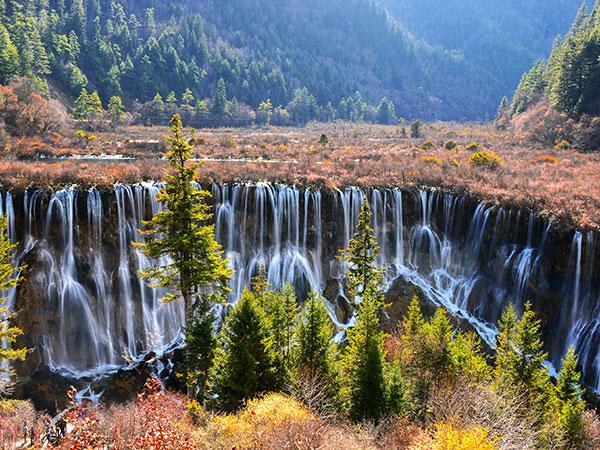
{"x":94,"y":313}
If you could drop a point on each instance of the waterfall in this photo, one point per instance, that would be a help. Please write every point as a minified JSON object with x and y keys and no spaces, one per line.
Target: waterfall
{"x":472,"y":258}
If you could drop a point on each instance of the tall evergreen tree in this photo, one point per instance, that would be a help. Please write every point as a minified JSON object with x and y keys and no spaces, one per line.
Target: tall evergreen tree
{"x":364,"y":277}
{"x":81,"y":110}
{"x":94,"y":106}
{"x":520,"y":371}
{"x":9,"y":57}
{"x":363,"y":363}
{"x":363,"y":360}
{"x":282,"y":313}
{"x":573,"y":406}
{"x":315,"y":353}
{"x":116,"y":111}
{"x":77,"y":15}
{"x":200,"y":345}
{"x":219,"y":101}
{"x":197,"y":268}
{"x":187,"y":98}
{"x":244,"y":363}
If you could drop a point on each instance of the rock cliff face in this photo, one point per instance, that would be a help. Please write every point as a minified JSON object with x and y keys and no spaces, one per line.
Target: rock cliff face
{"x":85,"y":313}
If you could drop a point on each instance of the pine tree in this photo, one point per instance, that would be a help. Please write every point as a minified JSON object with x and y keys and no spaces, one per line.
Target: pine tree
{"x":219,"y":101}
{"x":265,"y":109}
{"x":395,"y":390}
{"x":529,"y":90}
{"x":77,"y":81}
{"x":467,"y":359}
{"x":383,"y":111}
{"x":424,"y":356}
{"x":80,"y":112}
{"x":74,"y":47}
{"x":201,"y":108}
{"x":505,"y":348}
{"x":363,"y":363}
{"x":363,"y":360}
{"x":364,"y":277}
{"x":9,"y":57}
{"x":519,"y":367}
{"x":439,"y":335}
{"x":157,"y":108}
{"x":569,"y":393}
{"x":8,"y":334}
{"x":243,"y":363}
{"x":41,"y":64}
{"x":78,"y":18}
{"x":94,"y":106}
{"x":171,"y":103}
{"x":416,"y":127}
{"x":116,"y":111}
{"x":197,"y":268}
{"x":261,"y":288}
{"x":200,"y":345}
{"x":187,"y":98}
{"x":502,"y":108}
{"x":315,"y":354}
{"x":282,"y":313}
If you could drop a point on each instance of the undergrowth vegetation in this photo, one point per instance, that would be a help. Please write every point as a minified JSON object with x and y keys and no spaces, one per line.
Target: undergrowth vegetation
{"x":453,"y":397}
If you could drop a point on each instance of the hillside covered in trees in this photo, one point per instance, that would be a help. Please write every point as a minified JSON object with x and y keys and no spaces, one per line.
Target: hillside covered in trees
{"x":310,"y":60}
{"x":500,"y":36}
{"x":560,"y":99}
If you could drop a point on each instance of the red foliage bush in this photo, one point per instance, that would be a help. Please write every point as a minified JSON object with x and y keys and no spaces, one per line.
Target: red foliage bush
{"x":25,"y":112}
{"x":155,"y":422}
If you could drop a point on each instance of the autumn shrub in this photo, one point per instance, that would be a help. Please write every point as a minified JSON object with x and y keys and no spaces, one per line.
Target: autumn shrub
{"x":85,"y":137}
{"x":400,"y":433}
{"x":83,"y":434}
{"x":228,"y":141}
{"x":13,"y":414}
{"x":562,"y":145}
{"x":586,"y":136}
{"x":473,"y":147}
{"x":449,"y":437}
{"x":485,"y":159}
{"x":591,"y":431}
{"x":261,"y":417}
{"x":427,"y":145}
{"x":276,"y":422}
{"x":450,"y":145}
{"x":432,"y":160}
{"x":545,"y":159}
{"x":25,"y":112}
{"x":156,"y":421}
{"x":473,"y":405}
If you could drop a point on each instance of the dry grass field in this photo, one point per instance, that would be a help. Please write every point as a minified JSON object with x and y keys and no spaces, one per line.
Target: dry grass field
{"x":508,"y":168}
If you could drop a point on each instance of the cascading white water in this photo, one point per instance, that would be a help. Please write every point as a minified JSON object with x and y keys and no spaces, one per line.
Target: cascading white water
{"x":471,"y":259}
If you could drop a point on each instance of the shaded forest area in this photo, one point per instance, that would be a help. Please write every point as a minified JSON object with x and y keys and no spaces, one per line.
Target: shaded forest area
{"x":311,"y":60}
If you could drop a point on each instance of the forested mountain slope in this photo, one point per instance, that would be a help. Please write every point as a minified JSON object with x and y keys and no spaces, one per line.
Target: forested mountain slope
{"x":504,"y":37}
{"x":561,"y":98}
{"x":263,"y":49}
